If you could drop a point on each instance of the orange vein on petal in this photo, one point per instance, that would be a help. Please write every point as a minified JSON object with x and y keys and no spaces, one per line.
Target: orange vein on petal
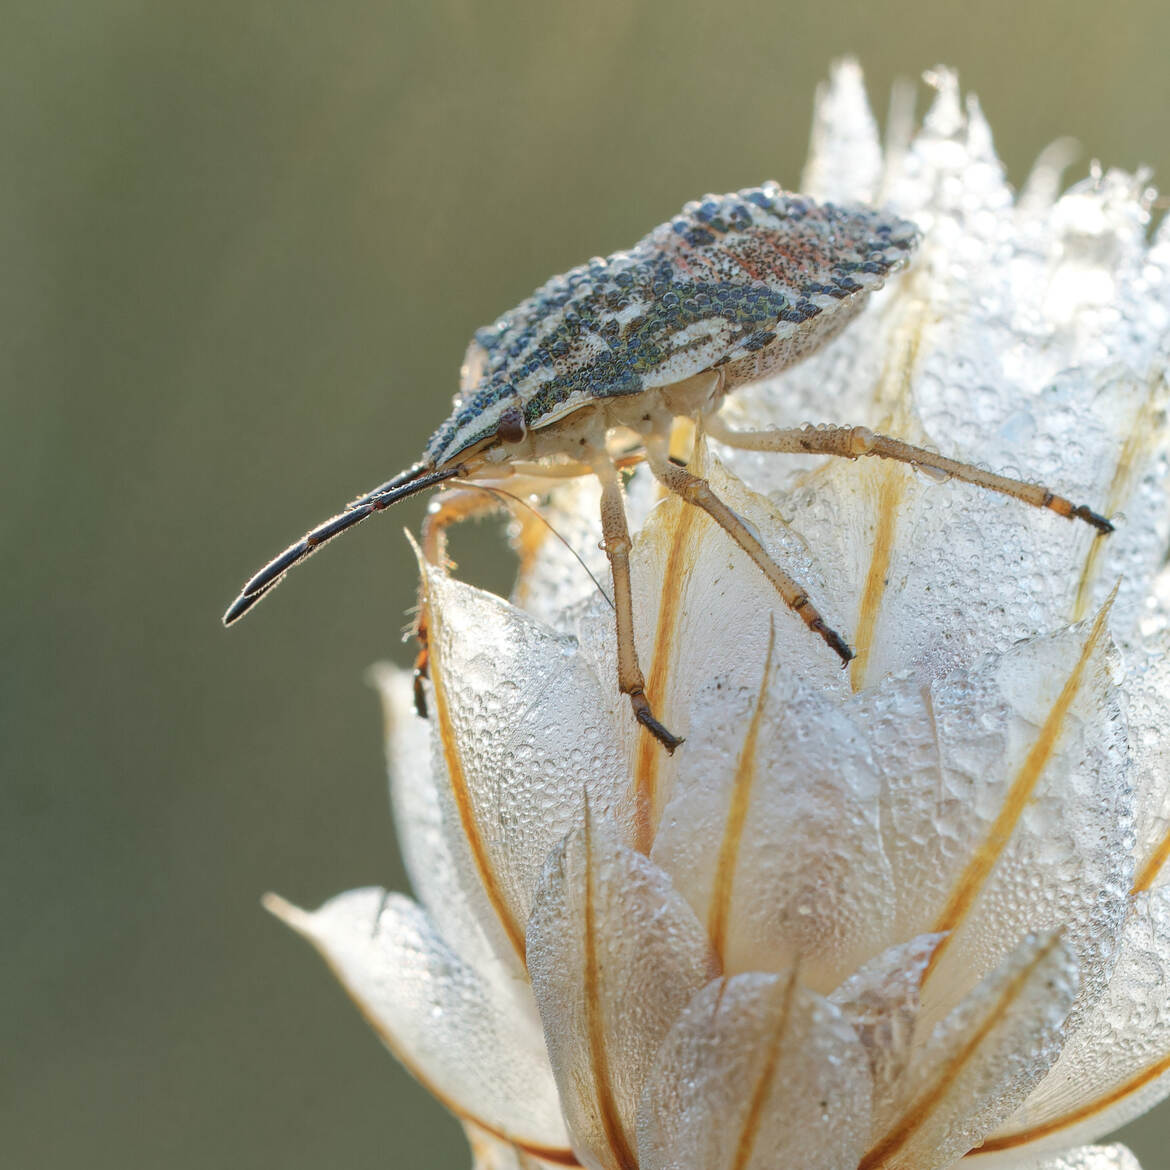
{"x":459,"y":789}
{"x":893,"y":389}
{"x":1021,"y":1137}
{"x":283,"y":910}
{"x":741,"y":796}
{"x":594,"y":1026}
{"x":889,"y":498}
{"x":751,"y":1125}
{"x":1138,"y":438}
{"x":650,"y":753}
{"x":1019,"y":793}
{"x":1138,"y":441}
{"x":918,"y":1112}
{"x":526,"y":1156}
{"x":1153,"y":867}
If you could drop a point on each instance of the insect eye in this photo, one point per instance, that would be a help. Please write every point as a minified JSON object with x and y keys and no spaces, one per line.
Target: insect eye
{"x":511,"y":428}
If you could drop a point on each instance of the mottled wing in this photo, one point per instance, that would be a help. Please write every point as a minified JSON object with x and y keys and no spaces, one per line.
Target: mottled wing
{"x":729,"y":276}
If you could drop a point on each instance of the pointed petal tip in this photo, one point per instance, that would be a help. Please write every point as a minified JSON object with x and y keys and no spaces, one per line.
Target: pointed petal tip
{"x":290,"y":915}
{"x":945,"y":116}
{"x":845,"y":74}
{"x":844,"y":158}
{"x":390,"y":682}
{"x":380,"y":676}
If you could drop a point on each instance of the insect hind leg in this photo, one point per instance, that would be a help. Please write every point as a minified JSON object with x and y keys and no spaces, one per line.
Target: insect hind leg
{"x":698,"y":492}
{"x":855,"y":442}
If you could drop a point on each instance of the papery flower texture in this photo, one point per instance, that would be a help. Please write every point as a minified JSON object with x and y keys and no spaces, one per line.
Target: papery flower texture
{"x":894,"y":917}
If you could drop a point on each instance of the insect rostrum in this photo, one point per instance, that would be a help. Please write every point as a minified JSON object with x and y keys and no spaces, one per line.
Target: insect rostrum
{"x":733,"y":289}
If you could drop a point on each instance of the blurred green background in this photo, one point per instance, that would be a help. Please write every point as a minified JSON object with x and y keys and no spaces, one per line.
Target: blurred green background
{"x":243,"y":245}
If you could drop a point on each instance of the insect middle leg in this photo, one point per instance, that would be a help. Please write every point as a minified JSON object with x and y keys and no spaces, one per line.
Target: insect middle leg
{"x":616,"y":533}
{"x":854,"y":442}
{"x":699,"y":493}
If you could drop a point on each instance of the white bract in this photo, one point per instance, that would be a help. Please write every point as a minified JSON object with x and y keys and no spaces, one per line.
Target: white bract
{"x":887,"y":918}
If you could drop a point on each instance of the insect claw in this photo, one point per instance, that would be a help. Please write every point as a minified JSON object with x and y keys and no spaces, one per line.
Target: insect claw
{"x":836,"y":643}
{"x":421,"y":668}
{"x":646,"y":718}
{"x":1091,"y":517}
{"x":420,"y":695}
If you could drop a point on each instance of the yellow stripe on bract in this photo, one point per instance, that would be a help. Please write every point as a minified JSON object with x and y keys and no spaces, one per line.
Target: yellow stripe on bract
{"x":1019,"y":793}
{"x":679,"y":563}
{"x":1021,"y":1137}
{"x":741,"y":795}
{"x":893,"y":397}
{"x":751,"y":1126}
{"x":1138,"y":443}
{"x":889,"y":499}
{"x":921,"y":1109}
{"x":893,"y":391}
{"x":527,"y":1157}
{"x":457,"y":777}
{"x":607,"y":1111}
{"x":1153,"y":866}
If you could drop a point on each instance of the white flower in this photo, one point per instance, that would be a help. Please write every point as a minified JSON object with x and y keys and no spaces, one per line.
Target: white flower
{"x":890,"y":918}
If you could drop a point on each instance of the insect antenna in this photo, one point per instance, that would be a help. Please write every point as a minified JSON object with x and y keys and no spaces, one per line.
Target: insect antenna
{"x":500,"y":492}
{"x":407,"y":484}
{"x":409,"y":476}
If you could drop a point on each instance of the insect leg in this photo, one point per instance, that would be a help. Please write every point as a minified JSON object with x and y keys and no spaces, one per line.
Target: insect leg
{"x":852,"y":442}
{"x":698,"y":492}
{"x":466,"y":503}
{"x":617,"y":548}
{"x":448,"y":508}
{"x":542,"y":471}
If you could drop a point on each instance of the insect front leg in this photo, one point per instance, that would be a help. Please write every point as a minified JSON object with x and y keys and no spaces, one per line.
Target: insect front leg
{"x":616,"y":534}
{"x":446,"y":509}
{"x":854,"y":442}
{"x":698,"y":492}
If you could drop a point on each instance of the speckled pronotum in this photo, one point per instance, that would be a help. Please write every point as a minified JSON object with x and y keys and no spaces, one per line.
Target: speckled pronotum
{"x":733,"y":289}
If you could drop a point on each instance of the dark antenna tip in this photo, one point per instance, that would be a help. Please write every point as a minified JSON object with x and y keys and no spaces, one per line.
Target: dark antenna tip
{"x":238,"y":608}
{"x":417,"y":479}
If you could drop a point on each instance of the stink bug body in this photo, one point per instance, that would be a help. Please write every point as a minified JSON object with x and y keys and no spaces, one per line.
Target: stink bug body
{"x":734,"y":288}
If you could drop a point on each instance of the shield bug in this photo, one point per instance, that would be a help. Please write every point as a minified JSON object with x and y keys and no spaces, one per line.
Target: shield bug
{"x":734,"y":288}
